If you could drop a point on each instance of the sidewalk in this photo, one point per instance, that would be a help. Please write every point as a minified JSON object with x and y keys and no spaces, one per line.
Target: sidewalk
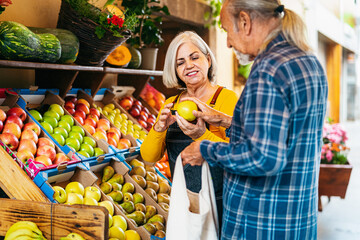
{"x":340,"y":218}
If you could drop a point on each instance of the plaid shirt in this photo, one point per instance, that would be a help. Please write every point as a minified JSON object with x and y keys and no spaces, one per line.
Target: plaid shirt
{"x":272,"y":161}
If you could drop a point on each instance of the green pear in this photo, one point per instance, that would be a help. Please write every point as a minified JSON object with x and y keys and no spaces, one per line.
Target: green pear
{"x":116,"y":178}
{"x":129,"y":207}
{"x":164,"y":187}
{"x":140,"y":207}
{"x":116,"y":186}
{"x":150,"y":228}
{"x":138,"y":170}
{"x":117,"y":196}
{"x":159,"y":234}
{"x":163,"y":197}
{"x":151,"y":192}
{"x":139,"y":180}
{"x":157,"y":218}
{"x":150,"y":168}
{"x":164,"y":206}
{"x":136,"y":162}
{"x":128,"y":197}
{"x":138,"y":198}
{"x":150,"y":211}
{"x":153,"y":185}
{"x":106,"y":187}
{"x":159,"y":226}
{"x":138,"y":217}
{"x":108,"y":172}
{"x":128,"y":187}
{"x":150,"y":176}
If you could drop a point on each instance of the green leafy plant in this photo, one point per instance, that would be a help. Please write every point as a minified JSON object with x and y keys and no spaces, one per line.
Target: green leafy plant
{"x":147,"y":32}
{"x":213,"y":17}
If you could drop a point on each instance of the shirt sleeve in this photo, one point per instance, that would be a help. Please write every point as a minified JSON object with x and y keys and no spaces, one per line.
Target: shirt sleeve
{"x":261,"y":149}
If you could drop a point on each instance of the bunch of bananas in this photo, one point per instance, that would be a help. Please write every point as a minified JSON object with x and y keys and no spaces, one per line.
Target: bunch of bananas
{"x":24,"y":230}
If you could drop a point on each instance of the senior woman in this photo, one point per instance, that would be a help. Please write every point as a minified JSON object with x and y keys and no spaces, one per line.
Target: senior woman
{"x":189,"y":65}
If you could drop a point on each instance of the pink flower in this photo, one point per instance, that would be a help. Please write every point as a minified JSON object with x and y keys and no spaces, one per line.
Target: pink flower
{"x":329,"y":156}
{"x":5,"y":3}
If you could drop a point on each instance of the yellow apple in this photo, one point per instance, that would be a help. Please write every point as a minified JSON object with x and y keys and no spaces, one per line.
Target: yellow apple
{"x":108,"y":205}
{"x":116,"y":232}
{"x":75,"y":187}
{"x":74,"y":198}
{"x":110,"y":221}
{"x":90,"y":201}
{"x":120,"y":221}
{"x":92,"y":192}
{"x":60,"y":194}
{"x":132,"y":235}
{"x":185,"y":109}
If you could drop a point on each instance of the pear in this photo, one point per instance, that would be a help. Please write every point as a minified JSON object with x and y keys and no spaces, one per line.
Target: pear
{"x":136,"y":162}
{"x":150,"y":228}
{"x":106,"y":187}
{"x":160,"y":234}
{"x":150,"y":168}
{"x":153,"y":185}
{"x":139,"y":180}
{"x":140,"y":207}
{"x":150,"y":176}
{"x":138,"y":170}
{"x":116,"y":186}
{"x":128,"y":187}
{"x":151,"y":192}
{"x":164,"y":206}
{"x":128,"y":207}
{"x":117,"y":196}
{"x":159,"y":226}
{"x":138,"y":217}
{"x":157,"y":218}
{"x":116,"y":178}
{"x":128,"y":197}
{"x":164,"y":187}
{"x":108,"y":172}
{"x":150,"y":211}
{"x":138,"y":198}
{"x":163,"y":197}
{"x":160,"y":179}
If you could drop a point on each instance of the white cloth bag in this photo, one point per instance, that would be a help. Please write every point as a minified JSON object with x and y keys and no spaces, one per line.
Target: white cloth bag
{"x":192,"y":216}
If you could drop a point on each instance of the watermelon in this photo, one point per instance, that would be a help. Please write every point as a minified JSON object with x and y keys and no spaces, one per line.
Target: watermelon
{"x":17,"y":42}
{"x":69,"y":43}
{"x":135,"y":61}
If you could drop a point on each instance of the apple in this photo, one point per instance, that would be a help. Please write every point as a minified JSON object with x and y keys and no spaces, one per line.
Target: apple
{"x":78,"y":129}
{"x":89,"y":128}
{"x":98,"y":151}
{"x":57,"y":108}
{"x":51,"y":120}
{"x":90,"y":141}
{"x":185,"y":109}
{"x":24,"y":155}
{"x":100,"y":130}
{"x":47,"y":126}
{"x":67,"y":118}
{"x":126,"y":103}
{"x":52,"y":114}
{"x":76,"y":135}
{"x":46,"y":151}
{"x":121,"y":145}
{"x":2,"y":115}
{"x":87,"y":148}
{"x":17,"y":112}
{"x":10,"y":140}
{"x":59,"y":194}
{"x":103,"y":124}
{"x":32,"y":126}
{"x":112,"y":129}
{"x":45,"y":142}
{"x":113,"y":135}
{"x":151,"y":121}
{"x":60,"y":157}
{"x":141,"y":117}
{"x":75,"y":187}
{"x":143,"y":123}
{"x":112,"y":141}
{"x":36,"y":115}
{"x":29,"y":134}
{"x":134,"y":111}
{"x":61,"y":131}
{"x":146,"y":110}
{"x":117,"y":233}
{"x":74,"y":143}
{"x":27,"y":144}
{"x":90,"y":122}
{"x":59,"y":138}
{"x":79,"y":113}
{"x":15,"y":119}
{"x":64,"y":124}
{"x":85,"y":154}
{"x":90,"y":201}
{"x":74,"y":198}
{"x":94,"y":111}
{"x":132,"y":234}
{"x":70,"y":110}
{"x":120,"y":221}
{"x":71,"y":99}
{"x":82,"y":107}
{"x":108,"y":205}
{"x":69,"y":104}
{"x":1,"y":125}
{"x":92,"y":192}
{"x":79,"y":119}
{"x":93,"y":117}
{"x":44,"y":160}
{"x":12,"y":128}
{"x":144,"y":114}
{"x":81,"y":100}
{"x":98,"y":135}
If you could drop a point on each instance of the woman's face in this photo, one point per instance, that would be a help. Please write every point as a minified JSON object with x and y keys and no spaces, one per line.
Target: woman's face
{"x":192,"y":65}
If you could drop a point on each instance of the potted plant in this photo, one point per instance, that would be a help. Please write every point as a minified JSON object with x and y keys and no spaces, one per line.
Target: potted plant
{"x":335,"y":169}
{"x":147,"y":34}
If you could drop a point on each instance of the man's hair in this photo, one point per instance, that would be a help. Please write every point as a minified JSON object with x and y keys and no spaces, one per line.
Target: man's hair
{"x":291,"y":24}
{"x":170,"y":78}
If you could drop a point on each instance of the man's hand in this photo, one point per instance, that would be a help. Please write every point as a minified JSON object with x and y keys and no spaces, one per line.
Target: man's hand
{"x":192,"y":155}
{"x":189,"y":129}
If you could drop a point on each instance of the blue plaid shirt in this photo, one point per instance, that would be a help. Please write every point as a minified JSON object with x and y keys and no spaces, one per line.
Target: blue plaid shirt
{"x":272,"y":161}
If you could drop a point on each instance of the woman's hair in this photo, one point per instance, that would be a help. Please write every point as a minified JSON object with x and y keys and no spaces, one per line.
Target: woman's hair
{"x":170,"y":78}
{"x":291,"y":25}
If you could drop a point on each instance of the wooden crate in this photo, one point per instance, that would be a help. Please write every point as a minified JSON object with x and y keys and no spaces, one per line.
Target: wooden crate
{"x":56,"y":220}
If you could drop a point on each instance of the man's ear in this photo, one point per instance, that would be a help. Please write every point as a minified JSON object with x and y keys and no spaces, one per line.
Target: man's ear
{"x":244,"y":22}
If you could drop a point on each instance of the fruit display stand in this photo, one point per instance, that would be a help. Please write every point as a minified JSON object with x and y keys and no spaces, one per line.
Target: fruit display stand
{"x":56,"y":220}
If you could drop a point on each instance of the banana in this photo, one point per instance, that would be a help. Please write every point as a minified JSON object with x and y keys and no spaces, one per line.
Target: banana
{"x":23,"y":232}
{"x":24,"y":224}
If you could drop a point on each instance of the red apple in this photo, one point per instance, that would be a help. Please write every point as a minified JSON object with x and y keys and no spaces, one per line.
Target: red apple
{"x":126,"y":103}
{"x":98,"y":135}
{"x":112,"y":142}
{"x":104,"y":121}
{"x":121,"y":145}
{"x":60,"y":157}
{"x":95,"y":111}
{"x":148,"y":128}
{"x":12,"y":128}
{"x":151,"y":121}
{"x":125,"y":141}
{"x":137,"y":102}
{"x":46,"y":151}
{"x":29,"y":134}
{"x":143,"y":123}
{"x":45,"y":142}
{"x":24,"y":155}
{"x":145,"y":109}
{"x":2,"y":115}
{"x":27,"y":144}
{"x":89,"y":128}
{"x":89,"y":121}
{"x":70,"y":110}
{"x":17,"y":112}
{"x":134,"y":112}
{"x":10,"y":140}
{"x":32,"y":126}
{"x":112,"y":129}
{"x":83,"y":107}
{"x":113,"y":135}
{"x":1,"y":125}
{"x":71,"y":99}
{"x":81,"y":100}
{"x":79,"y":119}
{"x":100,"y":130}
{"x":152,"y":116}
{"x":69,"y":104}
{"x":141,"y":117}
{"x":15,"y":119}
{"x":93,"y":117}
{"x":44,"y":160}
{"x":80,"y":113}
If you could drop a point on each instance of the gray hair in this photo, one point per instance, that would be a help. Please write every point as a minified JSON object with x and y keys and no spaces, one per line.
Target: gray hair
{"x":170,"y":78}
{"x":291,"y":24}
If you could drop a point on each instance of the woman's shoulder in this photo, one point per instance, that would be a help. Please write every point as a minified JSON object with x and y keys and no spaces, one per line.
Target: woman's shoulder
{"x":227,"y":94}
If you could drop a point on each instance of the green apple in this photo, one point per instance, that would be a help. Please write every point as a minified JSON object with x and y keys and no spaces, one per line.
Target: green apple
{"x":60,"y":194}
{"x":73,"y":142}
{"x":59,"y":138}
{"x":98,"y":151}
{"x":75,"y":187}
{"x":78,"y":129}
{"x":87,"y":148}
{"x":36,"y":115}
{"x":57,"y":108}
{"x":120,"y":221}
{"x":53,"y":114}
{"x":108,"y":205}
{"x":74,"y":198}
{"x":69,"y":119}
{"x":90,"y":141}
{"x":85,"y":154}
{"x":76,"y":135}
{"x":47,"y":126}
{"x":92,"y":192}
{"x":90,"y":201}
{"x":61,"y":131}
{"x":185,"y":109}
{"x":53,"y":122}
{"x":64,"y":124}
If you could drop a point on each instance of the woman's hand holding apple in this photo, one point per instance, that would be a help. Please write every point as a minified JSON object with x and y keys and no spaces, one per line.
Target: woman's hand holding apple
{"x":192,"y":130}
{"x":165,"y":119}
